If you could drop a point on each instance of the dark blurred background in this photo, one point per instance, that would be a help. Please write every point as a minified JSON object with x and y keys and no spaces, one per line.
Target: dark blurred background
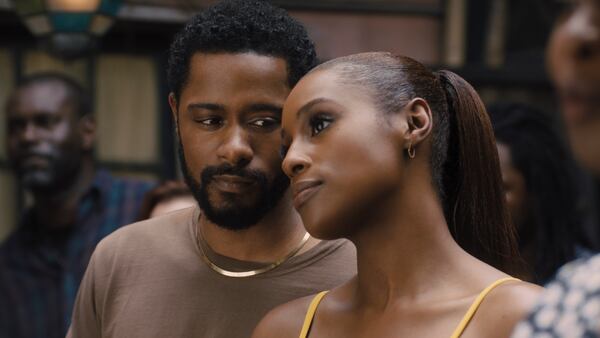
{"x":497,"y":45}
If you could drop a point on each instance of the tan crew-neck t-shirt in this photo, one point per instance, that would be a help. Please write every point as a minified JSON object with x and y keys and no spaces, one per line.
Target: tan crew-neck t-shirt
{"x":149,"y":280}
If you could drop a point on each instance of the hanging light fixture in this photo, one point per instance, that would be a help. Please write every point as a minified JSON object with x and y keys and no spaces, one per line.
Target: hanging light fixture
{"x":69,"y":28}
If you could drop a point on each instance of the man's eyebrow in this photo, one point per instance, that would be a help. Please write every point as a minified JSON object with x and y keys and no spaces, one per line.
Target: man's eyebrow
{"x":305,"y":108}
{"x":264,"y":107}
{"x":207,"y":106}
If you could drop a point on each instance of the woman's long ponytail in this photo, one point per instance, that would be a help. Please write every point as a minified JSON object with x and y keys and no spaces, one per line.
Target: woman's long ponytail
{"x":474,"y":199}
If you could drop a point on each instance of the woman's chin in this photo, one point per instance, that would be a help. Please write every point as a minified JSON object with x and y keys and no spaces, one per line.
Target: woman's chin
{"x":319,"y":228}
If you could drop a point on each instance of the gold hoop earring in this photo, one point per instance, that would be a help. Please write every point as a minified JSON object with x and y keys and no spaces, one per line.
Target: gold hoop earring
{"x":411,"y":151}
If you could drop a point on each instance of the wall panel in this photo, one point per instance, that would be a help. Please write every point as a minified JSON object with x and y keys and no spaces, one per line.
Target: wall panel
{"x":127,"y":109}
{"x":6,"y":86}
{"x":38,"y":61}
{"x":339,"y":34}
{"x":8,"y":203}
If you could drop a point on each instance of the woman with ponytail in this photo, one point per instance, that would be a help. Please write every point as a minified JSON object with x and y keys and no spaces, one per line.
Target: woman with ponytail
{"x":401,"y":161}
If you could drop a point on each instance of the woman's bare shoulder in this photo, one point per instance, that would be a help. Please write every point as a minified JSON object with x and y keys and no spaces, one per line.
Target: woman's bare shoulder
{"x":504,"y":307}
{"x":284,"y":321}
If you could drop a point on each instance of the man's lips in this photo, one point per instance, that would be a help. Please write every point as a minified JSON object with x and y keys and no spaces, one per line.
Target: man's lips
{"x":303,"y":190}
{"x":232,"y":183}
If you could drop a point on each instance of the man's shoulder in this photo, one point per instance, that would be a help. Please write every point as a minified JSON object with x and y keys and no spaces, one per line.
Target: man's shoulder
{"x":137,"y":239}
{"x":334,"y":261}
{"x":338,"y":249}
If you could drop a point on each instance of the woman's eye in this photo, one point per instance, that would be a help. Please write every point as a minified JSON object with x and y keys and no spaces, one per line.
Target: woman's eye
{"x":318,"y":124}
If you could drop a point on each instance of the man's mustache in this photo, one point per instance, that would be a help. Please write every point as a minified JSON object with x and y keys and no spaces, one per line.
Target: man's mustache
{"x":210,"y":172}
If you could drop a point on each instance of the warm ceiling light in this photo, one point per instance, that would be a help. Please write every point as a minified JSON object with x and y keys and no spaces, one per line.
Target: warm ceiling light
{"x":73,"y":5}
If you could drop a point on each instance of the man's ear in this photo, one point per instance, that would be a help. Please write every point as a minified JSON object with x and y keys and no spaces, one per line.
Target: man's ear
{"x":87,"y":128}
{"x":173,"y":104}
{"x":420,"y":122}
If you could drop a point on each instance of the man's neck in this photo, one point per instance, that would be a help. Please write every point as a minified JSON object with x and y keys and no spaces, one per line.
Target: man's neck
{"x":273,"y":237}
{"x":59,"y":209}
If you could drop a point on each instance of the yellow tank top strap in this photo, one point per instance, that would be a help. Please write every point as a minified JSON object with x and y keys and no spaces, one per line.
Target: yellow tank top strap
{"x":475,"y":305}
{"x":310,"y":314}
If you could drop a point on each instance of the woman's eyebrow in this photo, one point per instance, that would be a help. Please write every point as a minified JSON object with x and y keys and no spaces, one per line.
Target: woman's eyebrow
{"x":305,"y":108}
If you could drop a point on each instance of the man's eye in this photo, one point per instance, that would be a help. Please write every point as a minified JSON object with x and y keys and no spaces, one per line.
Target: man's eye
{"x":318,"y":124}
{"x":211,"y":122}
{"x":283,"y":150}
{"x":265,"y":122}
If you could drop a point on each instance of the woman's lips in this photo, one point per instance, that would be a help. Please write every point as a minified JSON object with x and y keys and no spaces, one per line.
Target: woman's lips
{"x":304,"y":190}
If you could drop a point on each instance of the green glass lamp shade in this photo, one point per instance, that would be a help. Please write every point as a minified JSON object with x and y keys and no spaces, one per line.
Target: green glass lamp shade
{"x":110,"y":7}
{"x":67,"y":22}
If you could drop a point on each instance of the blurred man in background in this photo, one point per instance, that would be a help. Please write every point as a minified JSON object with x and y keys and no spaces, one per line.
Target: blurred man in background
{"x":570,"y":307}
{"x":50,"y":140}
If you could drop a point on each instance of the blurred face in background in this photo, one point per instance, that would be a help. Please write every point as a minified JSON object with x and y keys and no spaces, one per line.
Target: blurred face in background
{"x":44,"y":143}
{"x":229,"y":122}
{"x":515,"y":190}
{"x":574,"y":64}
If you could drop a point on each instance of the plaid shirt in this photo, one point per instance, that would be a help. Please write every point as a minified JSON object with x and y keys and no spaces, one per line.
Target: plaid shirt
{"x":40,"y":270}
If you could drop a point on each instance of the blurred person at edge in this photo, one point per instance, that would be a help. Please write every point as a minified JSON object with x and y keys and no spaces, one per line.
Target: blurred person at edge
{"x":50,"y":140}
{"x":165,"y":198}
{"x":570,"y":306}
{"x":543,"y":191}
{"x":216,"y":269}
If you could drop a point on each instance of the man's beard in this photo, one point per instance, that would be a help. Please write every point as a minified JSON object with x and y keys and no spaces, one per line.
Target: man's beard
{"x":235,"y":215}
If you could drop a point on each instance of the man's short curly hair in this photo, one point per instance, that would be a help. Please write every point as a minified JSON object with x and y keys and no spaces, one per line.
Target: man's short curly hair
{"x":239,"y":26}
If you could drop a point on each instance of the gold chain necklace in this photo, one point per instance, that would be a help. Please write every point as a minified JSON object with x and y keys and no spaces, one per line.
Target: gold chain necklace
{"x":250,"y":273}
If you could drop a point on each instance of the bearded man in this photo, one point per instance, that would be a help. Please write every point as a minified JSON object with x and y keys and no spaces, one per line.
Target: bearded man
{"x":216,"y":269}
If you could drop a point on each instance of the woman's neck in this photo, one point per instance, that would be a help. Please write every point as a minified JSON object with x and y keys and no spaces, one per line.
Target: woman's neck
{"x":407,"y":254}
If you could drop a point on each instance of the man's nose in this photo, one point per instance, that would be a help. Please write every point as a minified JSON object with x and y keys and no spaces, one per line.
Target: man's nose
{"x":235,"y":148}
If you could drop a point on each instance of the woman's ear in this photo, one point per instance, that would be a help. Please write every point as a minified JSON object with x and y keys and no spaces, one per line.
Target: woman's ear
{"x":419,"y":119}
